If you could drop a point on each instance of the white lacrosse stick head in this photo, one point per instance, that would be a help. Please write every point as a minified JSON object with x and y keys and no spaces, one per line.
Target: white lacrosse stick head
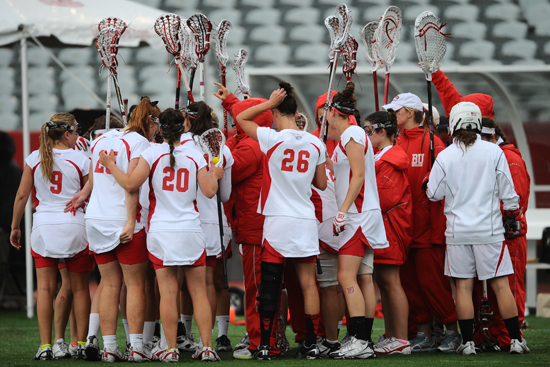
{"x":110,"y":30}
{"x":302,"y":121}
{"x":430,"y":42}
{"x":238,"y":67}
{"x":167,"y":26}
{"x":187,"y":53}
{"x":388,"y":36}
{"x":368,"y":37}
{"x":344,"y":20}
{"x":332,"y":24}
{"x":212,"y":142}
{"x":200,"y":27}
{"x":349,"y":56}
{"x":220,"y":34}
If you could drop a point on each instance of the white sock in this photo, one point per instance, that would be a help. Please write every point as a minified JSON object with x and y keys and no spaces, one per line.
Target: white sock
{"x":163,"y":344}
{"x":188,"y":322}
{"x":223,"y":325}
{"x":148,"y":331}
{"x":93,"y":328}
{"x":136,"y":341}
{"x":126,"y":329}
{"x":109,"y":341}
{"x":181,"y":317}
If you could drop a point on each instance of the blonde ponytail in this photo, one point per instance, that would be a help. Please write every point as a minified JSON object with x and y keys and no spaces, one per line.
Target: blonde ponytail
{"x":48,"y":137}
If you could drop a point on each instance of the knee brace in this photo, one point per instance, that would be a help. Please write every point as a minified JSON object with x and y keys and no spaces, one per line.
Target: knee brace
{"x":270,"y":288}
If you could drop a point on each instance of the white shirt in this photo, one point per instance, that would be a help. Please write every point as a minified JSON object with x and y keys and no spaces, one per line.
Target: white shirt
{"x":473,"y":181}
{"x":326,"y":210}
{"x":292,"y":157}
{"x":107,"y":201}
{"x":173,"y":192}
{"x":83,"y":146}
{"x":368,"y":195}
{"x":69,"y":168}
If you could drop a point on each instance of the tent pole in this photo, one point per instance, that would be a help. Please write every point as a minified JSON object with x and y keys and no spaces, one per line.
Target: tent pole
{"x":26,"y":152}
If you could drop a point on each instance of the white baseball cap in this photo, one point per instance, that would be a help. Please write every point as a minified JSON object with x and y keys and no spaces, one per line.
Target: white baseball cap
{"x":405,"y":100}
{"x":435,"y":113}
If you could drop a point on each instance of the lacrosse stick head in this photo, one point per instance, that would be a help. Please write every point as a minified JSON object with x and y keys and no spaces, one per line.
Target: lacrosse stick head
{"x":220,"y":34}
{"x":430,"y":42}
{"x":349,"y":56}
{"x":187,"y":53}
{"x":110,"y":30}
{"x":344,"y":20}
{"x":167,"y":26}
{"x":368,"y":37}
{"x":212,"y":142}
{"x":200,"y":28}
{"x":388,"y":35}
{"x":238,"y":67}
{"x":332,"y":24}
{"x":302,"y":121}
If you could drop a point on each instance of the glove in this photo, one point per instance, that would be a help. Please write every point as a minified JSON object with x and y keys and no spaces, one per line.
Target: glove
{"x":512,"y":225}
{"x":339,"y":223}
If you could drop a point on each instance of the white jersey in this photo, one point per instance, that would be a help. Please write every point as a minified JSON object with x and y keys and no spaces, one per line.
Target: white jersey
{"x":144,"y":199}
{"x":292,"y":158}
{"x":367,"y":199}
{"x":107,"y":202}
{"x":473,"y":181}
{"x":83,"y":146}
{"x":325,"y":211}
{"x":173,"y":192}
{"x":69,"y":168}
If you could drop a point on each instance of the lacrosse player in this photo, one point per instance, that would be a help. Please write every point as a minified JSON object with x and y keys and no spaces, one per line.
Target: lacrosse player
{"x":57,"y":172}
{"x":474,"y":177}
{"x":294,"y":160}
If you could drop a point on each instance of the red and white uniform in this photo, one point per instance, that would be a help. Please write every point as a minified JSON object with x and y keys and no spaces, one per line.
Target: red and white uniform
{"x":292,"y":158}
{"x":106,"y":211}
{"x":364,"y":214}
{"x":83,"y":146}
{"x":208,"y":208}
{"x":173,"y":206}
{"x":57,"y":234}
{"x":325,"y":211}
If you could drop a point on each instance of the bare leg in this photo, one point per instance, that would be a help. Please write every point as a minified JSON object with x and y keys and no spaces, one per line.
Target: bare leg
{"x":348,"y":267}
{"x":63,"y":305}
{"x":46,"y":286}
{"x":332,"y":311}
{"x":74,"y":331}
{"x":505,"y":299}
{"x":168,"y":287}
{"x":80,"y":285}
{"x":134,"y":278}
{"x":394,"y":300}
{"x":464,"y":302}
{"x":369,"y":295}
{"x":111,"y":280}
{"x":307,"y":279}
{"x":196,"y":284}
{"x":211,"y":291}
{"x":221,"y":293}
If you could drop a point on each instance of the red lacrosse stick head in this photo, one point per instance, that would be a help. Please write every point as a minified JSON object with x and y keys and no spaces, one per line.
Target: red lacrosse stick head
{"x":167,"y":26}
{"x":200,"y":27}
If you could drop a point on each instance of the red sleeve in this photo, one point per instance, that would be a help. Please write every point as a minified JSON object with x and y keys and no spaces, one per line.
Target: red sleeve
{"x":448,"y":94}
{"x":522,"y":183}
{"x":231,"y":142}
{"x":247,"y":161}
{"x":229,"y":102}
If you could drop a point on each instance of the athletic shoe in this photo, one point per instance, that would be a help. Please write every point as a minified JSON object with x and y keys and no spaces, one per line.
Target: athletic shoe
{"x":311,"y":352}
{"x":143,"y":355}
{"x":80,"y":351}
{"x":345,"y":339}
{"x":244,"y":343}
{"x":60,"y":350}
{"x":209,"y":355}
{"x":355,"y":348}
{"x":157,"y":352}
{"x":282,"y":341}
{"x":186,"y":343}
{"x":393,"y":346}
{"x":223,"y":344}
{"x":421,"y":343}
{"x":263,"y":353}
{"x":155,"y":341}
{"x":44,"y":354}
{"x":243,"y":353}
{"x":92,"y":349}
{"x":73,"y":349}
{"x":451,"y":342}
{"x":111,"y":356}
{"x":171,"y":355}
{"x":325,"y":347}
{"x":466,"y":349}
{"x":519,"y":347}
{"x":127,"y":350}
{"x":438,"y":334}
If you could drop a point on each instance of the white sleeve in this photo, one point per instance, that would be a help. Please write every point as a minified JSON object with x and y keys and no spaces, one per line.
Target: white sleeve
{"x":86,"y":166}
{"x":263,"y":134}
{"x":437,"y":182}
{"x":32,"y":159}
{"x":148,"y":156}
{"x":139,"y":147}
{"x":506,"y":191}
{"x":322,"y":154}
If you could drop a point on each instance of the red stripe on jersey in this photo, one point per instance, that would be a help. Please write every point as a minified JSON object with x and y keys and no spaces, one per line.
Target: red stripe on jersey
{"x":196,"y":164}
{"x":360,"y":197}
{"x":266,"y":184}
{"x":342,"y":147}
{"x":195,"y":205}
{"x":316,"y":147}
{"x":366,"y":143}
{"x":127,"y":148}
{"x":318,"y":203}
{"x":152,"y":196}
{"x":35,"y":167}
{"x":97,"y":141}
{"x":186,"y":141}
{"x":500,"y":258}
{"x":79,"y":172}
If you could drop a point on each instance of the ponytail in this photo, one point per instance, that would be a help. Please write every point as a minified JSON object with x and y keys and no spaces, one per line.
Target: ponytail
{"x":172,"y":124}
{"x":465,"y":138}
{"x":200,"y":117}
{"x":139,"y":119}
{"x":48,"y":136}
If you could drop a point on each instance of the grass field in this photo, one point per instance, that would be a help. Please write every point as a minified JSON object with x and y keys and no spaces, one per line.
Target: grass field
{"x":19,"y":340}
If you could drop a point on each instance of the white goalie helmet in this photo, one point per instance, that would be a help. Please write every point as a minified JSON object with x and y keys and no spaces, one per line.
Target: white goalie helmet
{"x":465,"y":115}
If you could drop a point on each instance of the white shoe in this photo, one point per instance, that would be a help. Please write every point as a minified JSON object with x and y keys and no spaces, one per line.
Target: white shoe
{"x":393,"y":346}
{"x":466,"y":349}
{"x":112,"y":356}
{"x":244,"y":343}
{"x":143,"y":355}
{"x":355,"y":348}
{"x":206,"y":354}
{"x":170,"y":356}
{"x":518,"y":347}
{"x":157,"y":352}
{"x":185,"y":343}
{"x":73,"y":349}
{"x":60,"y":350}
{"x":44,"y":354}
{"x":242,"y":353}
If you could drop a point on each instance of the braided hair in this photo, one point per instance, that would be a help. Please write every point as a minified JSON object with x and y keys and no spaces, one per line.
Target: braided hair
{"x":51,"y":132}
{"x":172,"y":124}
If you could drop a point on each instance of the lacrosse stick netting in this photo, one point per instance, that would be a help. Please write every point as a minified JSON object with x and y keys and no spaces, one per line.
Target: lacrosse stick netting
{"x":220,"y":35}
{"x":368,"y":37}
{"x":387,"y":40}
{"x":349,"y":57}
{"x":200,"y":27}
{"x":212,"y":142}
{"x":302,"y":122}
{"x":110,"y":30}
{"x":430,"y":42}
{"x":238,"y":66}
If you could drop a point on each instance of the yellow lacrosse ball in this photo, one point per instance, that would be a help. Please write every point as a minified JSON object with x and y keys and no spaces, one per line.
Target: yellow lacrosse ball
{"x":215,"y":160}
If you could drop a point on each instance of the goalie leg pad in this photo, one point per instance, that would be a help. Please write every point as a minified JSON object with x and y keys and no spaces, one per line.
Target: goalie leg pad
{"x":270,"y":288}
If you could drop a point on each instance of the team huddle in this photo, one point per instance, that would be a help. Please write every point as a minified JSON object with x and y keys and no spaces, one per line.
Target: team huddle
{"x":317,"y":220}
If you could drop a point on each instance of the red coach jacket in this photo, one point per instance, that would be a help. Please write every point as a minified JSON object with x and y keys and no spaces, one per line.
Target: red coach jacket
{"x":428,"y":218}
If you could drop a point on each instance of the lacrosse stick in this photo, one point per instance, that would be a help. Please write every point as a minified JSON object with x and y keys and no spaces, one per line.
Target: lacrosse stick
{"x":200,"y":27}
{"x":368,"y":37}
{"x":238,"y":67}
{"x":430,"y":48}
{"x":110,"y":30}
{"x":349,"y":57}
{"x":485,"y":315}
{"x":220,"y":40}
{"x":302,"y":121}
{"x":339,"y":36}
{"x":387,"y":41}
{"x":212,"y":142}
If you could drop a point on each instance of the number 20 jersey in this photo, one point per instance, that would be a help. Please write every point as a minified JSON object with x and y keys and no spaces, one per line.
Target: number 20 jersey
{"x":292,"y":157}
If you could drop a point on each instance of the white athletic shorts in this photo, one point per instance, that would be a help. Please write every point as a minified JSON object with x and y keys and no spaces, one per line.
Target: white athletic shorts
{"x":329,"y":264}
{"x":488,"y":261}
{"x":176,"y":248}
{"x":59,"y":240}
{"x":326,"y":235}
{"x":211,"y":233}
{"x":372,"y":226}
{"x":292,"y":237}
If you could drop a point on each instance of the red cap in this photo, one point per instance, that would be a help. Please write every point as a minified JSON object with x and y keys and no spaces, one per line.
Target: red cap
{"x":483,"y":101}
{"x":264,"y":119}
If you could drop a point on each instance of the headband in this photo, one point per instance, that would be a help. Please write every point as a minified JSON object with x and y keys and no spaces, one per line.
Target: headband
{"x":64,"y":126}
{"x":192,"y":114}
{"x":488,"y":130}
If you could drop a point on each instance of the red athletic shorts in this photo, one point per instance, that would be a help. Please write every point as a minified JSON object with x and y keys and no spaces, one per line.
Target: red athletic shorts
{"x":133,"y":252}
{"x":211,"y":261}
{"x":80,"y":263}
{"x":270,"y":255}
{"x":356,"y":246}
{"x":158,"y":263}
